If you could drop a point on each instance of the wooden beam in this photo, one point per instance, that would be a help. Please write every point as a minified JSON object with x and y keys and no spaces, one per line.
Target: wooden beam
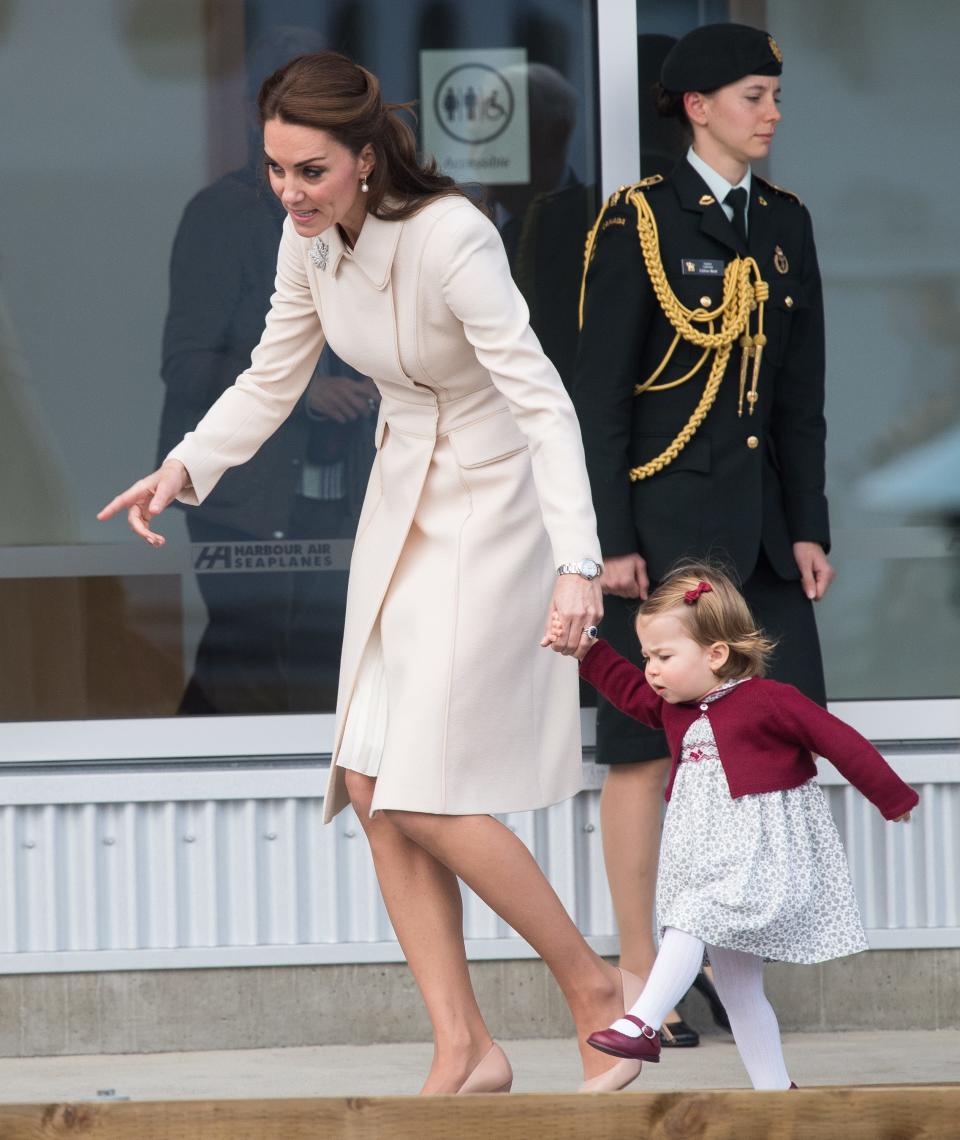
{"x":855,"y":1113}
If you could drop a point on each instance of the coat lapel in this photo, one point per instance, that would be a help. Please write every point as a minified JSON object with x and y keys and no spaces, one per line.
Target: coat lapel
{"x":356,"y":304}
{"x":761,"y":227}
{"x":691,"y":188}
{"x":376,"y":248}
{"x":336,"y":248}
{"x":374,"y":252}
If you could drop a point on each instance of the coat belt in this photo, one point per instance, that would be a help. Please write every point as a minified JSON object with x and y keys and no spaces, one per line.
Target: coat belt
{"x":432,"y":416}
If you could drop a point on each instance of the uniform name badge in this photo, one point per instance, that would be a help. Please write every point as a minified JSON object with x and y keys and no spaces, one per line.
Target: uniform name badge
{"x":701,"y":267}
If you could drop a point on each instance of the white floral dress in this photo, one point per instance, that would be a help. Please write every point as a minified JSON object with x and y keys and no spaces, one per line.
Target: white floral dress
{"x":765,"y":873}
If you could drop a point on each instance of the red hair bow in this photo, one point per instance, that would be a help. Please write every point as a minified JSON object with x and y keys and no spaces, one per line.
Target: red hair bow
{"x":691,"y":596}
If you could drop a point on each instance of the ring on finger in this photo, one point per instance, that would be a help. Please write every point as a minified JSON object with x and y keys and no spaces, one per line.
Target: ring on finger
{"x":591,"y":631}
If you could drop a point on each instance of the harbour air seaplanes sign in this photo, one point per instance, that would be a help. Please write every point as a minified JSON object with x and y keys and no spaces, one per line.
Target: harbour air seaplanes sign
{"x":473,"y":110}
{"x":260,"y":557}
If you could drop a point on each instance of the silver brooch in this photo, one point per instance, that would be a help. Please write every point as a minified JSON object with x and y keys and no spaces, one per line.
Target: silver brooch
{"x":318,"y":253}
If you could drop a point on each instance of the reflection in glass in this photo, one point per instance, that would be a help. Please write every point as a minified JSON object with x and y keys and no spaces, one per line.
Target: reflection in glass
{"x":272,"y":639}
{"x":543,"y":221}
{"x":165,"y":180}
{"x":857,"y":137}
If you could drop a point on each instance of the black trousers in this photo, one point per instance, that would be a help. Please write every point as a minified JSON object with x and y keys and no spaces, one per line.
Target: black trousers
{"x":781,"y":610}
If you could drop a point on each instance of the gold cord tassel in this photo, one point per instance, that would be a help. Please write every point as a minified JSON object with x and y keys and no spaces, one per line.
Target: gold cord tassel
{"x":746,"y":345}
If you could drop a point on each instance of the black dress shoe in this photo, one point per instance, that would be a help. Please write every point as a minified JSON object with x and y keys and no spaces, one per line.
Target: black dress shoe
{"x":703,"y":985}
{"x":678,"y":1035}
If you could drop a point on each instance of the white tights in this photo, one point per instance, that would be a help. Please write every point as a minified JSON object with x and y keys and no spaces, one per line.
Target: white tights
{"x":738,"y":978}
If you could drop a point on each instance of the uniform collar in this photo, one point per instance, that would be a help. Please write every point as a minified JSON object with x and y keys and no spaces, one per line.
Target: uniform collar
{"x":719,"y":186}
{"x":374,"y":252}
{"x":697,"y":196}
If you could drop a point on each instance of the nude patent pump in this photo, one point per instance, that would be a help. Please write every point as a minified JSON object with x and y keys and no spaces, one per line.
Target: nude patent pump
{"x":491,"y":1075}
{"x":624,"y":1072}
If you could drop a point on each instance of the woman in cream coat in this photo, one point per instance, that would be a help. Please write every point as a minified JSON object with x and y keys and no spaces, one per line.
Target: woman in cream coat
{"x":448,"y":708}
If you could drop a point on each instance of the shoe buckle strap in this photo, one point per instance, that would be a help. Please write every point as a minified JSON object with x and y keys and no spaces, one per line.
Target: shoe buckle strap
{"x":645,"y":1029}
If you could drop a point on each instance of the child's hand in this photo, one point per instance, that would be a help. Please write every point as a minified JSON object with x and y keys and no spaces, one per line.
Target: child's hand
{"x":905,"y":818}
{"x":556,"y":632}
{"x":553,"y":632}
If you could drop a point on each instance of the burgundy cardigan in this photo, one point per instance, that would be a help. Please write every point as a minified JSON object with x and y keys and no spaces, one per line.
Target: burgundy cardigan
{"x":765,"y":733}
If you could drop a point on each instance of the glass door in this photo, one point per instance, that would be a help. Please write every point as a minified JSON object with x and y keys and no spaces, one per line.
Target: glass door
{"x":136,"y":261}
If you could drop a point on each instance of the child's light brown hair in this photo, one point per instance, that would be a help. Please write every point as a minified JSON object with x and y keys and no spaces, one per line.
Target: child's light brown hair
{"x":719,"y":613}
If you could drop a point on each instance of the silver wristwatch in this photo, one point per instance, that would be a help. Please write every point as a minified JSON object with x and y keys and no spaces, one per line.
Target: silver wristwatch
{"x":586,"y":568}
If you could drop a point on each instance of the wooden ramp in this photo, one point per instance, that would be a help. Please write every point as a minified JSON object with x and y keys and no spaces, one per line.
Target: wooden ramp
{"x":876,"y":1112}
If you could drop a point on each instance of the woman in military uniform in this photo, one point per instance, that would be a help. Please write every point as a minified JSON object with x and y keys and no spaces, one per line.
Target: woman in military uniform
{"x":700,"y":387}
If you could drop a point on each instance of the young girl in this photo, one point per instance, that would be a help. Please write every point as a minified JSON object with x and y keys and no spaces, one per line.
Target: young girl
{"x":751,"y":865}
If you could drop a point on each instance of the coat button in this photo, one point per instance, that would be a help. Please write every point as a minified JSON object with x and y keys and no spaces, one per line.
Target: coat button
{"x":752,"y":441}
{"x":788,"y":301}
{"x":278,"y":534}
{"x":706,"y":302}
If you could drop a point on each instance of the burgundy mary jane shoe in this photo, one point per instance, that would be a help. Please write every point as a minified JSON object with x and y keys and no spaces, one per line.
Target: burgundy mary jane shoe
{"x":646,"y":1047}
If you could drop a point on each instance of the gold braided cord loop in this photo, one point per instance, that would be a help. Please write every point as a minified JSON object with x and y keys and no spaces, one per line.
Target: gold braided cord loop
{"x":743,"y":292}
{"x":588,"y":257}
{"x":689,"y":429}
{"x":737,"y":299}
{"x":591,"y":242}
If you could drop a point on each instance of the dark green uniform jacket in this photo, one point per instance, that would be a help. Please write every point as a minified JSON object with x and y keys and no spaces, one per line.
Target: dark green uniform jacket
{"x":741,"y":481}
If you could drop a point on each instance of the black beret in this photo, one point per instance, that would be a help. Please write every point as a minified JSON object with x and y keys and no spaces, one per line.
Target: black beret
{"x":717,"y":54}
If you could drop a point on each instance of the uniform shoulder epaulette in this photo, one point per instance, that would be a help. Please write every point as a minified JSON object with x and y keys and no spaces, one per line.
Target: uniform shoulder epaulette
{"x":624,"y":191}
{"x":788,"y":194}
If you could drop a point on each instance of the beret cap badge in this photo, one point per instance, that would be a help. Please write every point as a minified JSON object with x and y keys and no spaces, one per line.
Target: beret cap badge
{"x":775,"y":49}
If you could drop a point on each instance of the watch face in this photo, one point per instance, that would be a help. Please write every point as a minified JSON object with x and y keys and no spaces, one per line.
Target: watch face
{"x":589,"y":568}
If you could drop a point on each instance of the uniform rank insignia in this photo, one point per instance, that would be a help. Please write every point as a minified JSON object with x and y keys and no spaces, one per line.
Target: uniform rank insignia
{"x":701,"y":267}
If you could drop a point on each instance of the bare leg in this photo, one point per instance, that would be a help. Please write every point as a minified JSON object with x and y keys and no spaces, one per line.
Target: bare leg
{"x":500,"y":869}
{"x":423,"y":900}
{"x":630,"y":822}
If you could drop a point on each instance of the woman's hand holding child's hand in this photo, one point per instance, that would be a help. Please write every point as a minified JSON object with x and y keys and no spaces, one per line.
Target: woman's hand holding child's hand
{"x":555,"y":634}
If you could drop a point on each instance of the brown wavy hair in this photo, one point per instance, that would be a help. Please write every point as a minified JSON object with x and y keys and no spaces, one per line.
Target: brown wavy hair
{"x":718,"y":614}
{"x":329,"y":92}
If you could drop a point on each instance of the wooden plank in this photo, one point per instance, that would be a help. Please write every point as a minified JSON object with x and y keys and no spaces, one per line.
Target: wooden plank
{"x":855,"y":1113}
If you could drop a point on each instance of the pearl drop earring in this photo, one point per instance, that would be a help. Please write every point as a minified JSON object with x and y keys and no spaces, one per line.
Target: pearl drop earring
{"x":363,"y":185}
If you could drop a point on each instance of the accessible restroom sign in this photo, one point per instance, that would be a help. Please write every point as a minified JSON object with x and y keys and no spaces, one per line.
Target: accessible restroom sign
{"x":473,"y":107}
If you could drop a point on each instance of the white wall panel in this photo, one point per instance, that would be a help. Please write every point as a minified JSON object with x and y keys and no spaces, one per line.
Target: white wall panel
{"x":134,"y":883}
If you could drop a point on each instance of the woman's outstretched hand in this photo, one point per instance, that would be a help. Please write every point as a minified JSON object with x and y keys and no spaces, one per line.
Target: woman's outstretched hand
{"x":577,"y":604}
{"x":147,"y":498}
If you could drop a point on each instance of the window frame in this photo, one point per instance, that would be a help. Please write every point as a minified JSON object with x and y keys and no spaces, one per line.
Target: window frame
{"x":279,"y":737}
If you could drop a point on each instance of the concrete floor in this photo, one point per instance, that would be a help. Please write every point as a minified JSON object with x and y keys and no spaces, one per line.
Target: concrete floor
{"x":918,"y":1056}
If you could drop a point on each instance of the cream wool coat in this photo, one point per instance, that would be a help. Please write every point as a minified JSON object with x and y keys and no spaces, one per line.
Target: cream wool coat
{"x":477,"y":492}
